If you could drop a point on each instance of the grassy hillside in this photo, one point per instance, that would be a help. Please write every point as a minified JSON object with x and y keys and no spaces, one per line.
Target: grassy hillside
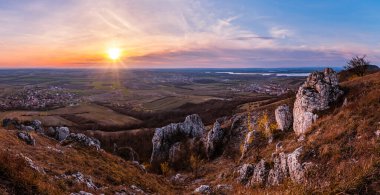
{"x":53,"y":160}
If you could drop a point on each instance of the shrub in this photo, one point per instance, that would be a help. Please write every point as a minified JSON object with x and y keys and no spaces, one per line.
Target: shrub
{"x":195,"y":163}
{"x":165,"y":168}
{"x":358,"y":65}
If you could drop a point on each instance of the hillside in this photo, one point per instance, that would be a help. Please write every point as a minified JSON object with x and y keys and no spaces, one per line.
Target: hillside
{"x":49,"y":167}
{"x":240,"y":154}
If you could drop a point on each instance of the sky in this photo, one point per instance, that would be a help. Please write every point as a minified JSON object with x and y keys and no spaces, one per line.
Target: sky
{"x":187,"y":33}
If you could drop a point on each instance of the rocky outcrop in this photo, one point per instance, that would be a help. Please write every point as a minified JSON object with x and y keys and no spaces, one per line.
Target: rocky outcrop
{"x":203,"y":189}
{"x":61,"y":133}
{"x":279,"y":171}
{"x":83,"y":140}
{"x":27,"y":138}
{"x":165,"y":137}
{"x":284,"y":166}
{"x":245,"y":173}
{"x":260,"y":174}
{"x":296,"y":168}
{"x":251,"y":139}
{"x":215,"y":139}
{"x":319,"y":90}
{"x":283,"y":117}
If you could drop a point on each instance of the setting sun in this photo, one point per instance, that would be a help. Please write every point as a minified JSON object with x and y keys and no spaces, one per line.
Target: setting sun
{"x":114,"y":53}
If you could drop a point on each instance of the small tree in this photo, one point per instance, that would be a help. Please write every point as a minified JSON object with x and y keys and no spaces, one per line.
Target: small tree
{"x":358,"y":65}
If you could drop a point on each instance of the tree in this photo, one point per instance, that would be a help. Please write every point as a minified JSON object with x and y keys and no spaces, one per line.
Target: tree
{"x":358,"y":65}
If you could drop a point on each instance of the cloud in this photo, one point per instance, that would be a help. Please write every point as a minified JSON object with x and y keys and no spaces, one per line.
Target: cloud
{"x":282,"y":33}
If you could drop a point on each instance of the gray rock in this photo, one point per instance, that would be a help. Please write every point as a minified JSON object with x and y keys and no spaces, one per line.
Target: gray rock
{"x":26,"y":137}
{"x":296,"y":169}
{"x":83,"y":140}
{"x":27,"y":128}
{"x":78,"y":177}
{"x":260,"y":174}
{"x":279,"y":171}
{"x":284,"y":117}
{"x":251,"y":139}
{"x":203,"y":189}
{"x":61,"y":133}
{"x":245,"y":173}
{"x":319,"y":90}
{"x":37,"y":125}
{"x":215,"y":139}
{"x":165,"y":137}
{"x":178,"y":179}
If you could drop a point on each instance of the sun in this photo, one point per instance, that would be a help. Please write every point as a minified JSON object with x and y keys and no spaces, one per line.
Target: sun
{"x":114,"y":53}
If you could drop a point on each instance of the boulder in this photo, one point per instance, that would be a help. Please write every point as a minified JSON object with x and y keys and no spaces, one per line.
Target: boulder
{"x":316,"y":94}
{"x":260,"y":174}
{"x":245,"y":173}
{"x":296,"y":169}
{"x":26,"y":137}
{"x":203,"y":189}
{"x":26,"y":128}
{"x":215,"y":139}
{"x":37,"y":125}
{"x":50,"y":132}
{"x":165,"y":137}
{"x":283,"y":117}
{"x":83,"y":140}
{"x":61,"y":133}
{"x":279,"y":171}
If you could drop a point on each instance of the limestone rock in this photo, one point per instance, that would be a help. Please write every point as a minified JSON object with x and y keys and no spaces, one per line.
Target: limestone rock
{"x":215,"y":139}
{"x":319,"y":90}
{"x":260,"y":174}
{"x":61,"y":133}
{"x":296,"y":169}
{"x":245,"y":173}
{"x":166,"y":136}
{"x":83,"y":139}
{"x":27,"y":138}
{"x":284,"y":117}
{"x":252,"y":138}
{"x":203,"y":189}
{"x":280,"y":170}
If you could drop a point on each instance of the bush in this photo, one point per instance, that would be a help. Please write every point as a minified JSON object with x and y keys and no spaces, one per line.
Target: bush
{"x":358,"y":65}
{"x":165,"y":168}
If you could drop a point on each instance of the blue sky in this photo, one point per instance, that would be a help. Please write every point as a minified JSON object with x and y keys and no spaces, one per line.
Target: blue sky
{"x":181,"y":33}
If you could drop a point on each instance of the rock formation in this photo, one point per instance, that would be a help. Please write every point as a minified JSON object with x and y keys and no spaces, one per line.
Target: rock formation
{"x":284,"y":117}
{"x":319,"y":90}
{"x":83,"y":140}
{"x":165,"y":137}
{"x":260,"y":174}
{"x":27,"y":138}
{"x":215,"y":139}
{"x":245,"y":173}
{"x":284,"y":166}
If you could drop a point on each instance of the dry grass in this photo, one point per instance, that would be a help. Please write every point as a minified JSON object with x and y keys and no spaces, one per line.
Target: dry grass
{"x":108,"y":172}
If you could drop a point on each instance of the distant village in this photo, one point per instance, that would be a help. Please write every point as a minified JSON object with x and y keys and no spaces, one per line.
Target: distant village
{"x":271,"y":88}
{"x":38,"y":98}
